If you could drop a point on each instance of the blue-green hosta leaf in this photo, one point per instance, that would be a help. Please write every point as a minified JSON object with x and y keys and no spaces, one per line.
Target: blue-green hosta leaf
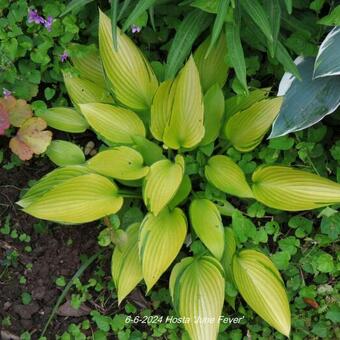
{"x":125,"y":266}
{"x":213,"y":114}
{"x":305,"y":102}
{"x":207,"y":223}
{"x":79,"y":199}
{"x":121,"y":162}
{"x":289,"y":189}
{"x":222,"y":172}
{"x":130,"y":74}
{"x":64,"y":119}
{"x":63,"y":153}
{"x":212,"y":68}
{"x":49,"y":181}
{"x":115,"y":124}
{"x":197,"y":292}
{"x":160,"y":240}
{"x":262,"y":287}
{"x":327,"y":62}
{"x":162,"y":183}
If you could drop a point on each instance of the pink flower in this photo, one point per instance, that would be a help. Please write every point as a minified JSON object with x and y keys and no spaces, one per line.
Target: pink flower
{"x":48,"y":23}
{"x":6,"y":93}
{"x":33,"y":16}
{"x":135,"y":29}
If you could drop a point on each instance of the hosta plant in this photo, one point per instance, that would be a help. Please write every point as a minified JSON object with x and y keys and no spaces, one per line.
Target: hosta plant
{"x":162,"y":154}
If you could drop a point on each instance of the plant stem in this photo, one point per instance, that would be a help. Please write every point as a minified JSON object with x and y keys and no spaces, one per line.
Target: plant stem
{"x":78,"y":273}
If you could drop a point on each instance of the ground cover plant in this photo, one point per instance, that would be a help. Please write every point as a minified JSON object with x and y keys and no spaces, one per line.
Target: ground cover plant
{"x":193,"y":200}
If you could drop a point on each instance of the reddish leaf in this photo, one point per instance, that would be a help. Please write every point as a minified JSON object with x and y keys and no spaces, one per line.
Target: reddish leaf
{"x":4,"y":119}
{"x":31,"y":139}
{"x":18,"y":110}
{"x":311,"y":302}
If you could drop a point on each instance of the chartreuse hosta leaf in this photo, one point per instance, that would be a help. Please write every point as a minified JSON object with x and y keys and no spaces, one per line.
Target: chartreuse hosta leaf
{"x":185,"y":127}
{"x":80,"y":199}
{"x":121,"y":162}
{"x":182,"y":193}
{"x":207,"y":223}
{"x":82,"y":91}
{"x":64,"y":119}
{"x":162,"y":183}
{"x":213,"y":114}
{"x":293,"y":190}
{"x":115,"y":124}
{"x":63,"y":153}
{"x":126,"y":268}
{"x":239,"y":103}
{"x":49,"y":181}
{"x":262,"y":287}
{"x":89,"y":66}
{"x":247,"y":128}
{"x":213,"y":68}
{"x":177,"y":111}
{"x":160,"y":240}
{"x":131,"y":76}
{"x":197,"y":291}
{"x":227,"y":176}
{"x":150,"y":151}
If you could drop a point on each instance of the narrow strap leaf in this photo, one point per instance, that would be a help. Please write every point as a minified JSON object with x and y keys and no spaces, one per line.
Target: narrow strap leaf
{"x":125,"y":5}
{"x":75,"y":4}
{"x":258,"y":14}
{"x":235,"y":49}
{"x":114,"y":8}
{"x":142,"y":5}
{"x":286,"y":60}
{"x":152,"y":18}
{"x":191,"y":27}
{"x":289,"y":6}
{"x":273,"y":10}
{"x":222,"y":9}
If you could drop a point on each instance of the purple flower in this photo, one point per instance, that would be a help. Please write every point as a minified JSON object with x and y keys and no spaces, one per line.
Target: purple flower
{"x":64,"y":56}
{"x":6,"y":93}
{"x":135,"y":29}
{"x":48,"y":23}
{"x":33,"y":16}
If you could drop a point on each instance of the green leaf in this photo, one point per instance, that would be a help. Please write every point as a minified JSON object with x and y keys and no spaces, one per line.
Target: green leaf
{"x":327,"y":62}
{"x":229,"y":251}
{"x":80,"y":199}
{"x":150,"y":151}
{"x":138,"y":10}
{"x":64,"y":119}
{"x":332,"y":19}
{"x":213,"y":114}
{"x":162,"y":183}
{"x":160,"y":240}
{"x":114,"y":17}
{"x":49,"y":181}
{"x":235,"y":49}
{"x":197,"y":292}
{"x":63,"y":153}
{"x":75,"y":5}
{"x":289,"y":6}
{"x":258,"y":14}
{"x":289,"y":189}
{"x":207,"y":223}
{"x":222,"y":10}
{"x":286,"y":60}
{"x":273,"y":11}
{"x":190,"y":28}
{"x":305,"y":102}
{"x":132,"y":79}
{"x":261,"y":285}
{"x":227,"y":176}
{"x":114,"y":123}
{"x":182,"y":193}
{"x":246,"y":129}
{"x":212,"y":68}
{"x":126,"y":268}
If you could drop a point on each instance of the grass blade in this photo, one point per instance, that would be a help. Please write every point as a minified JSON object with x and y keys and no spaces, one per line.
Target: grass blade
{"x":273,"y":10}
{"x":235,"y":49}
{"x":191,"y":27}
{"x":223,"y":6}
{"x":259,"y":16}
{"x":142,"y":6}
{"x":114,"y":8}
{"x":126,"y":4}
{"x":75,"y":4}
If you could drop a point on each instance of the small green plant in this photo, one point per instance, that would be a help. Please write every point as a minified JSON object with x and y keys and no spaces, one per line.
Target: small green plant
{"x":164,"y":145}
